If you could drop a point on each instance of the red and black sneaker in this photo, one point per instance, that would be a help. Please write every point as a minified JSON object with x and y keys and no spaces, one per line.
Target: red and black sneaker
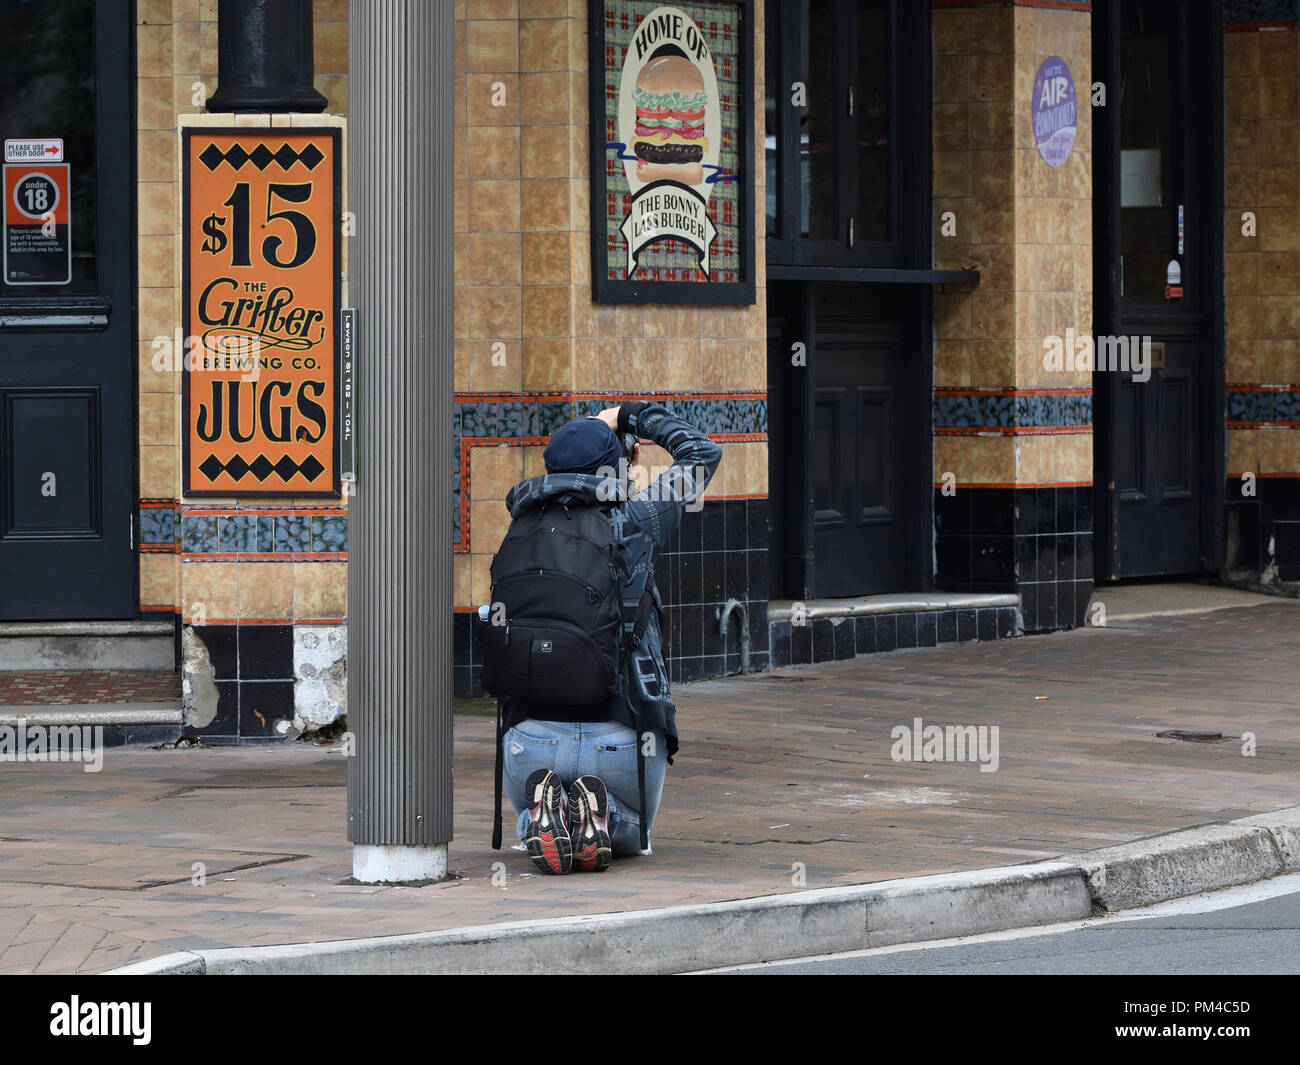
{"x":589,"y":825}
{"x":548,"y":839}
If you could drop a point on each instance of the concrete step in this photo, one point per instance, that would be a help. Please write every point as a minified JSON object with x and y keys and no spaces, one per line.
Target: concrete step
{"x":827,"y":630}
{"x":73,"y":645}
{"x":123,"y":724}
{"x":900,"y":603}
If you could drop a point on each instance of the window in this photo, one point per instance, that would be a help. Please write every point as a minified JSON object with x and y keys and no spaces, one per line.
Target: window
{"x":838,"y":74}
{"x":47,"y":90}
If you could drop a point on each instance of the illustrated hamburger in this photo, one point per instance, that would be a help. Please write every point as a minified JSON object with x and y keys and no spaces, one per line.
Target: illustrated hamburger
{"x":669,"y":141}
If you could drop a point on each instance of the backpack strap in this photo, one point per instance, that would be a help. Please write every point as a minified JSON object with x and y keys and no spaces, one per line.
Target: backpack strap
{"x":634,"y":637}
{"x":496,"y":819}
{"x":640,"y":620}
{"x":636,"y":617}
{"x":640,"y":786}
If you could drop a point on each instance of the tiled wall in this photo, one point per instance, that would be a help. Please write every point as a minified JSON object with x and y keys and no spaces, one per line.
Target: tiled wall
{"x":246,"y":575}
{"x":1006,"y":428}
{"x":523,"y":293}
{"x":1262,"y":285}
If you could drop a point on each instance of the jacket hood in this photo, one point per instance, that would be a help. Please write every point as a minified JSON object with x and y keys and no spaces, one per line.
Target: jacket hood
{"x":582,"y":489}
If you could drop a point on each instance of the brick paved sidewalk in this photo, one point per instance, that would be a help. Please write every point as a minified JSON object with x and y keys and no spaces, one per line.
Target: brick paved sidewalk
{"x":778,"y":771}
{"x":62,"y":687}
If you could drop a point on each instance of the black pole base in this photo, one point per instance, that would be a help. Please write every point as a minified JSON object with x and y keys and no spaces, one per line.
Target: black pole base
{"x":265,"y":58}
{"x":267,"y":100}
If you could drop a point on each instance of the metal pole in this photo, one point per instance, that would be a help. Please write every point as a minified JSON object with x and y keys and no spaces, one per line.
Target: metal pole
{"x":399,"y":571}
{"x":265,"y":58}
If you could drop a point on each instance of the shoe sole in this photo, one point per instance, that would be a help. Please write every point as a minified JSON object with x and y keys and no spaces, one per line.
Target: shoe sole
{"x":548,"y":842}
{"x":589,"y":810}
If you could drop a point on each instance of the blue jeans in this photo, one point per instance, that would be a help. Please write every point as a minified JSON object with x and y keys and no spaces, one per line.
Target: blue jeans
{"x":573,"y":749}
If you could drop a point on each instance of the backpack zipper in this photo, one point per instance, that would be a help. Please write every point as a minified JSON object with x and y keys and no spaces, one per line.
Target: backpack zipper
{"x":591,"y":592}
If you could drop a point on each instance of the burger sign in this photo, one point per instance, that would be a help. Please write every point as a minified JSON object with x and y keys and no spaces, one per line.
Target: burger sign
{"x":669,"y":134}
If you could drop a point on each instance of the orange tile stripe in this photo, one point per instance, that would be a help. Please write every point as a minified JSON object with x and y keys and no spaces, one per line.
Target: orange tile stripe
{"x":1024,"y":430}
{"x":254,"y":621}
{"x":227,"y":511}
{"x":945,"y":390}
{"x":1251,"y":27}
{"x":1060,"y":5}
{"x":1022,"y":484}
{"x":251,"y":556}
{"x":613,"y":397}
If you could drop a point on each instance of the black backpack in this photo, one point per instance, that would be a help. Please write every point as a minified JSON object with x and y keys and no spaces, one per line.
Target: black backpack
{"x":559,"y":631}
{"x":555,"y":632}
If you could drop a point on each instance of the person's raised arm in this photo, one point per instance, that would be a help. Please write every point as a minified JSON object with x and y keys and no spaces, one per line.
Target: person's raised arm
{"x":658,"y":509}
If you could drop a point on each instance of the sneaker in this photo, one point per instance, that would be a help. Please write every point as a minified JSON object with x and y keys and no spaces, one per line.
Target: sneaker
{"x":589,"y":825}
{"x":548,"y":839}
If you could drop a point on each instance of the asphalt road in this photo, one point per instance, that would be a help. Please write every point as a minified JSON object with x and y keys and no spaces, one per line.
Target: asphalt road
{"x":1251,"y":930}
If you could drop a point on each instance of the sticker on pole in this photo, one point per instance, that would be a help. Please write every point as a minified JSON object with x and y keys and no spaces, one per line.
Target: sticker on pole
{"x":37,"y":242}
{"x":348,"y":377}
{"x":1055,"y":111}
{"x":46,"y":151}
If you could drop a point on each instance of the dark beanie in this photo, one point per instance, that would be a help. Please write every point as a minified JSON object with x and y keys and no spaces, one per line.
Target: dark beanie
{"x":584,"y":445}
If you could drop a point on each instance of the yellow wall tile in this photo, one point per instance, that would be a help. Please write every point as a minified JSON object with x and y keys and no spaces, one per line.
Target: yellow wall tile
{"x":320,"y":590}
{"x":265,"y":590}
{"x":209,"y":592}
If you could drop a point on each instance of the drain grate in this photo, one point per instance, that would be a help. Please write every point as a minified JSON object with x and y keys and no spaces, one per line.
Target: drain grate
{"x":1190,"y":735}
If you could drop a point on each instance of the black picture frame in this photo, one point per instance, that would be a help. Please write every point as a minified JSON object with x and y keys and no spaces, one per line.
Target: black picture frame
{"x":713,"y":293}
{"x":335,"y":134}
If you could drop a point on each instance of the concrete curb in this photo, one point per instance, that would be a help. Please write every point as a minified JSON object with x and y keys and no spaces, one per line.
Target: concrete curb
{"x":799,"y":924}
{"x":167,"y":713}
{"x":1182,"y":863}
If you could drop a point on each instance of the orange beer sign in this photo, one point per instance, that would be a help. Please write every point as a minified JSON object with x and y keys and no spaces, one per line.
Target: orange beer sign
{"x":261,"y":267}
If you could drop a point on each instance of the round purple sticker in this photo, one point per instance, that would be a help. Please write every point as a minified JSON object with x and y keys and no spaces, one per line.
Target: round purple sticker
{"x":1055,"y":111}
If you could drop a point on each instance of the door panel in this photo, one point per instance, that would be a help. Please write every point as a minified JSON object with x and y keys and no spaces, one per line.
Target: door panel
{"x":1157,"y":162}
{"x":829,"y":475}
{"x":49,"y":431}
{"x":875,"y":444}
{"x":1177,"y":443}
{"x":858,"y":524}
{"x":1157,"y":522}
{"x":67,"y":352}
{"x":1130,"y":434}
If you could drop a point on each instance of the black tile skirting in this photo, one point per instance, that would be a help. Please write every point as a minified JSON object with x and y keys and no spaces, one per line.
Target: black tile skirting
{"x":1271,"y":517}
{"x":140,"y":735}
{"x":252,"y":666}
{"x":835,"y":639}
{"x":1035,"y":542}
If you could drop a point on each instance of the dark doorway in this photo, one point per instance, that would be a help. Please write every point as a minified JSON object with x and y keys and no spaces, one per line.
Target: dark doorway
{"x":67,"y":344}
{"x":849,"y":463}
{"x":848,"y":153}
{"x":1158,"y":228}
{"x":859,"y":409}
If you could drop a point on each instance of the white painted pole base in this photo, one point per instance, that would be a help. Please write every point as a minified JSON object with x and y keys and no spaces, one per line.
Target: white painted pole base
{"x":395,"y":864}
